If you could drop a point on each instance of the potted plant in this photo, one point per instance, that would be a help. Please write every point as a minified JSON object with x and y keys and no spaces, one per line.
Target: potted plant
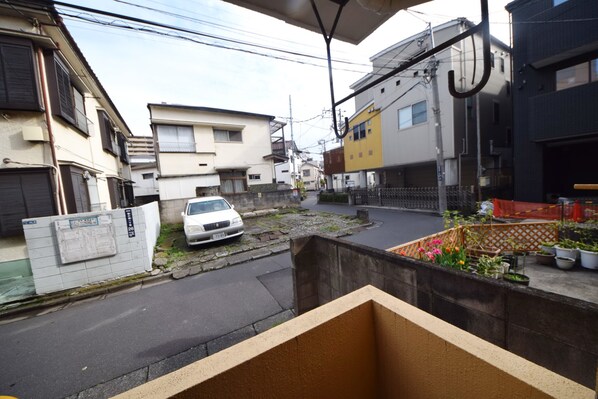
{"x":516,"y":278}
{"x":589,"y":255}
{"x":564,"y":263}
{"x":490,"y":266}
{"x":548,"y":247}
{"x":567,"y":249}
{"x":544,"y":258}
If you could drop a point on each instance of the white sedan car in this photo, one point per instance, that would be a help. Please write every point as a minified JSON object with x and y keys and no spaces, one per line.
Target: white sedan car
{"x":209,"y":219}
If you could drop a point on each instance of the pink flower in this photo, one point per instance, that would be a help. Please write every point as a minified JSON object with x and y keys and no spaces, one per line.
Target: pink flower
{"x":421,"y":250}
{"x":436,"y":251}
{"x":437,"y":242}
{"x":430,"y":255}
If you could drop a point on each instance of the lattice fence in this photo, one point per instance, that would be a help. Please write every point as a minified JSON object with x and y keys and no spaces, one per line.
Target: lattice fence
{"x":527,"y":237}
{"x":506,"y":237}
{"x":423,"y":198}
{"x":451,"y":237}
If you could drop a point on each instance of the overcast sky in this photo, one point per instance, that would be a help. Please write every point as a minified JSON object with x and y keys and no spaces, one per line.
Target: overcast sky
{"x":137,"y":68}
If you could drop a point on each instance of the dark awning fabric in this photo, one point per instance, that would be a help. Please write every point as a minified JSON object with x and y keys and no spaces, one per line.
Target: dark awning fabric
{"x":356,"y":22}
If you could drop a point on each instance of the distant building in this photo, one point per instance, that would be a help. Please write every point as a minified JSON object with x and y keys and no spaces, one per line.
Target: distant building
{"x":393,"y":131}
{"x":311,"y":175}
{"x":206,"y":151}
{"x":555,"y":97}
{"x":288,"y":170}
{"x":144,"y":170}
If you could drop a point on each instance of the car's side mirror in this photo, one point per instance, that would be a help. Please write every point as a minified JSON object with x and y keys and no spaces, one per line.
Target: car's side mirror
{"x":232,"y":206}
{"x":183,"y":214}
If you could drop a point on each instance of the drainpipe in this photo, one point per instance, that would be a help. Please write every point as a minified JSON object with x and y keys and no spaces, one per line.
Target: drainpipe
{"x":60,"y":200}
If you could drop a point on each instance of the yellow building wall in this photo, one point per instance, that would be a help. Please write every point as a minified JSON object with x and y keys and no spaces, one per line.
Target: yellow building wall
{"x":365,"y":153}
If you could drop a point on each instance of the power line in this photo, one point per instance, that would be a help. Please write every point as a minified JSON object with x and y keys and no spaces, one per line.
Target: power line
{"x":188,"y":31}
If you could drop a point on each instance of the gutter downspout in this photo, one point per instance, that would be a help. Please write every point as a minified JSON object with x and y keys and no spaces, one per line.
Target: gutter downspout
{"x":60,"y":200}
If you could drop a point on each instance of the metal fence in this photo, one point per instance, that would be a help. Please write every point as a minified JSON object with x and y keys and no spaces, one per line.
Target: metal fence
{"x":421,"y":198}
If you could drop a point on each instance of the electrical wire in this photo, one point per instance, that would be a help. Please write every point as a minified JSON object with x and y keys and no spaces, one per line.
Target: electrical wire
{"x":121,"y":17}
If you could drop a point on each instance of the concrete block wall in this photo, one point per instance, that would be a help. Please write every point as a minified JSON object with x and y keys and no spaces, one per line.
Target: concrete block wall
{"x":134,"y":254}
{"x":554,"y":331}
{"x":170,"y":210}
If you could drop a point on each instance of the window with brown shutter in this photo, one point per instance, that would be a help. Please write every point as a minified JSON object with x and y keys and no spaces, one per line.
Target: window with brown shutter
{"x":68,"y":101}
{"x":122,"y":146}
{"x":107,"y":132}
{"x":18,"y":84}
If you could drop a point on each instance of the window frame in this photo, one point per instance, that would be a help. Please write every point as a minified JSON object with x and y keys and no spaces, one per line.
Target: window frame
{"x":591,"y":75}
{"x":228,"y":135}
{"x":62,"y":93}
{"x":412,"y":120}
{"x":191,"y":145}
{"x":359,"y":131}
{"x":107,"y":133}
{"x":33,"y":103}
{"x":230,"y":175}
{"x":254,"y":176}
{"x":121,"y":141}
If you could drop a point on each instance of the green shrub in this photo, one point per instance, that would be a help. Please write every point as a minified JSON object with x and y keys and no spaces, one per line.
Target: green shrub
{"x":341,"y":198}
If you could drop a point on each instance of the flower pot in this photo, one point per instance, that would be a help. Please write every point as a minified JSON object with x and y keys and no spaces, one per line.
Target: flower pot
{"x":564,"y":263}
{"x":589,"y":259}
{"x":567,"y":252}
{"x":545,"y":259}
{"x":516,"y":278}
{"x":550,"y":250}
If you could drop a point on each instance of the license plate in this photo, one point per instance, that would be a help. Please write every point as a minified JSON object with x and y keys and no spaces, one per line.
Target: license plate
{"x":218,"y":236}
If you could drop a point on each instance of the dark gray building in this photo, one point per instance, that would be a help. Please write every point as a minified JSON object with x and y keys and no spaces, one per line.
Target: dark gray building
{"x":555,"y":97}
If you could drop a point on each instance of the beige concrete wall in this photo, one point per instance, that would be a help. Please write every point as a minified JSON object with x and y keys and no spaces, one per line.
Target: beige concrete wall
{"x":367,"y":344}
{"x":421,"y":356}
{"x":328,"y":354}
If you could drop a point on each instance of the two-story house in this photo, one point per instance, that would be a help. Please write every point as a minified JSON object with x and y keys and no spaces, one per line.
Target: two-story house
{"x":393,"y":131}
{"x":208,"y":151}
{"x":311,"y":175}
{"x":555,"y":97}
{"x":62,"y":139}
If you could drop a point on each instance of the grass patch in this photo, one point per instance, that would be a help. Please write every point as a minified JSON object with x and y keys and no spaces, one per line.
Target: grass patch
{"x":167,"y":230}
{"x":330,"y":229}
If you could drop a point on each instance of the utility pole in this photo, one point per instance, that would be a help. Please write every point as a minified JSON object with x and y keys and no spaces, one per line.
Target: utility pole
{"x":440,"y":173}
{"x":479,"y":145}
{"x":293,"y":177}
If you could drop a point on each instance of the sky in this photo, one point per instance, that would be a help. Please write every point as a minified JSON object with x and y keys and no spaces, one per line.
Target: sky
{"x":140,"y":67}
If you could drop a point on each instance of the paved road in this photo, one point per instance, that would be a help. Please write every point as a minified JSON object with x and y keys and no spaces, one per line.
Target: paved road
{"x":391,"y":226}
{"x":122,"y":340}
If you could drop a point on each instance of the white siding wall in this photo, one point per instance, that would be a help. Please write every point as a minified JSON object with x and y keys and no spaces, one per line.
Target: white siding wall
{"x":246,"y":155}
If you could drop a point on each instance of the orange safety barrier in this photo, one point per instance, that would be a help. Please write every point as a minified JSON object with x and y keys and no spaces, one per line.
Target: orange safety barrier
{"x":578,"y":212}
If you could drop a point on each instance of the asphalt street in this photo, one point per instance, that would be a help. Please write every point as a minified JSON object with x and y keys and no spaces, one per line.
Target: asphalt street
{"x":84,"y":348}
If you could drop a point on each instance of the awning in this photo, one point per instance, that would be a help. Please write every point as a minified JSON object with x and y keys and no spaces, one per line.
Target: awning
{"x":276,"y":157}
{"x":231,"y":167}
{"x":357,"y":22}
{"x":353,"y":21}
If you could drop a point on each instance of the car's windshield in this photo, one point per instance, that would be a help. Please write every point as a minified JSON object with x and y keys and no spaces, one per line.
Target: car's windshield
{"x":207,"y":206}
